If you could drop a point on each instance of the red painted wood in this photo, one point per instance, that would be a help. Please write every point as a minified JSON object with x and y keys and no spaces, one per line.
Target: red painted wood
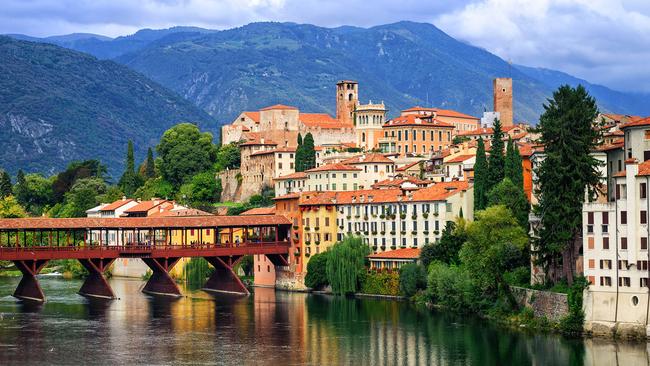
{"x":224,"y":279}
{"x":95,"y":284}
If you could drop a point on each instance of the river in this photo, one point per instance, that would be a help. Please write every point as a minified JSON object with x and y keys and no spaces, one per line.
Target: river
{"x":268,"y":328}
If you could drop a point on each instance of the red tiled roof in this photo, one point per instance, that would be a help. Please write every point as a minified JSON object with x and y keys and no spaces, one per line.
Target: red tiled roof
{"x":616,"y":144}
{"x":181,"y":213}
{"x":255,"y":116}
{"x":296,"y":175}
{"x":622,"y":173}
{"x":644,"y":169}
{"x":333,"y":167}
{"x":639,"y":122}
{"x":407,"y":166}
{"x":145,"y":206}
{"x":322,"y":120}
{"x":259,"y":211}
{"x":440,"y":112}
{"x":288,"y":196}
{"x":367,"y":159}
{"x":115,"y":205}
{"x":257,"y":140}
{"x":460,"y":158}
{"x":414,"y":120}
{"x":278,"y":106}
{"x":403,"y":253}
{"x":142,"y":222}
{"x":396,"y":183}
{"x":479,"y":131}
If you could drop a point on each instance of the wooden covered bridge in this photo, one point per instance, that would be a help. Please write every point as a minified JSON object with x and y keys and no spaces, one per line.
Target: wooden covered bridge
{"x":160,"y":242}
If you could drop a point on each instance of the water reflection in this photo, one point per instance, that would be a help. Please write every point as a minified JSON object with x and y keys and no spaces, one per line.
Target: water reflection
{"x":271,"y":328}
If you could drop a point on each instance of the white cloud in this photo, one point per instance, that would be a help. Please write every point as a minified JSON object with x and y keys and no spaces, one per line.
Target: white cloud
{"x":603,"y":41}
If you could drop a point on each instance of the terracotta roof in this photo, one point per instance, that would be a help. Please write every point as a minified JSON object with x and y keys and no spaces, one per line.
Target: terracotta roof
{"x":403,"y":253}
{"x":644,"y":169}
{"x":460,"y":158}
{"x":479,"y":131}
{"x":258,"y":140}
{"x":639,"y":122}
{"x":440,"y":112}
{"x":622,"y":173}
{"x":615,"y":133}
{"x":181,"y":213}
{"x":115,"y":205}
{"x":396,"y":183}
{"x":145,"y":206}
{"x":259,"y":211}
{"x":367,"y":159}
{"x":288,"y":196}
{"x":322,"y":120}
{"x":142,"y":222}
{"x":255,"y":116}
{"x":616,"y":144}
{"x":408,"y":166}
{"x":333,"y":167}
{"x":278,"y":106}
{"x":263,"y":152}
{"x":414,"y":120}
{"x":296,"y":175}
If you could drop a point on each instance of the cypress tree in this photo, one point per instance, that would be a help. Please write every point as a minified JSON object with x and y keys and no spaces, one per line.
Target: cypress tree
{"x":566,"y":173}
{"x":480,"y":177}
{"x":129,"y":182}
{"x":299,"y":160}
{"x":5,"y":184}
{"x":150,"y":171}
{"x":309,"y":152}
{"x":513,"y":168}
{"x":21,"y":190}
{"x":496,"y":161}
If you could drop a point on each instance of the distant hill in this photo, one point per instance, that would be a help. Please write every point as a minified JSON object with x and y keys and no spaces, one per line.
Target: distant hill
{"x":403,"y":64}
{"x":59,"y":105}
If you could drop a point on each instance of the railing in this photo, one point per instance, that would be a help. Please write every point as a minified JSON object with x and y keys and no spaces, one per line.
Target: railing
{"x":140,"y":247}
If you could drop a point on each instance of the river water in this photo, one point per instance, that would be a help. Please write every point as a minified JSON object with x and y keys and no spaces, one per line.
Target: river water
{"x":268,"y":328}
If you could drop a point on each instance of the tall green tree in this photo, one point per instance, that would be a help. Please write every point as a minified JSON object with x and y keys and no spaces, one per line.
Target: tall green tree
{"x":33,"y":192}
{"x":5,"y":185}
{"x":316,"y":277}
{"x":346,"y":264}
{"x":82,"y":196}
{"x":185,"y":151}
{"x":513,"y":168}
{"x":10,"y":208}
{"x":508,"y":194}
{"x":130,"y":181}
{"x":75,"y":171}
{"x":228,"y":157}
{"x":496,"y":161}
{"x":309,"y":152}
{"x":447,"y":248}
{"x":481,"y":179}
{"x":150,"y":166}
{"x":299,"y":156}
{"x":567,"y":175}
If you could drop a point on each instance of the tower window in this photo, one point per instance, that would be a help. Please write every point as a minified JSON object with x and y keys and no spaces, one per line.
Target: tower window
{"x":350,"y":97}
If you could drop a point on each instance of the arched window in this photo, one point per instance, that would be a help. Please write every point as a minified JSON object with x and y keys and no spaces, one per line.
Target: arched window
{"x":363,"y":137}
{"x":350,"y":97}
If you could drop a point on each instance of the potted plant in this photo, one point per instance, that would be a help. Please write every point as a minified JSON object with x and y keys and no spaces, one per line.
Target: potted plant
{"x":307,"y":255}
{"x":382,"y":216}
{"x":425,"y":215}
{"x":317,"y":242}
{"x":393,"y":247}
{"x":414,"y":232}
{"x":426,"y":232}
{"x":436,"y":232}
{"x":402,"y":216}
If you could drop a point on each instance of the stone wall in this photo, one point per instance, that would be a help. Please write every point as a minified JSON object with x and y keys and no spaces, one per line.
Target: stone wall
{"x":231,"y":186}
{"x":552,"y":305}
{"x":287,"y":279}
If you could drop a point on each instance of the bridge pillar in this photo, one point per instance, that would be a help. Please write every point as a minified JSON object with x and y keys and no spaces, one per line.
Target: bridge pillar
{"x":161,"y":283}
{"x":224,"y":279}
{"x":95,"y":284}
{"x":29,"y":288}
{"x":278,"y":259}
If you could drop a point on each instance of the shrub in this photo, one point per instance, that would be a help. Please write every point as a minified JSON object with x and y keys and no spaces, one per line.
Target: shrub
{"x":453,"y":288}
{"x":316,"y":277}
{"x":412,"y":278}
{"x":380,"y":283}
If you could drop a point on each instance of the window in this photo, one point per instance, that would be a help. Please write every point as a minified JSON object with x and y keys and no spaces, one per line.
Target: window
{"x":624,"y":281}
{"x":624,"y":217}
{"x":327,"y":221}
{"x":643,"y":192}
{"x":605,"y":264}
{"x":622,"y":264}
{"x":644,"y":282}
{"x":590,"y":222}
{"x":623,"y":243}
{"x":644,"y":243}
{"x":415,"y":135}
{"x":643,"y":217}
{"x":605,"y":243}
{"x":605,"y":281}
{"x":642,"y":265}
{"x":424,"y":135}
{"x":406,"y":135}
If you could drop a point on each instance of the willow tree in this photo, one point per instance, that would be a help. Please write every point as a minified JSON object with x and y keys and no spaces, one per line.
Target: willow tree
{"x":346,"y":262}
{"x":567,"y":175}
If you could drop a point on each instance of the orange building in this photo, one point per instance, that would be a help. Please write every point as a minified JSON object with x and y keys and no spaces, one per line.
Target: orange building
{"x":414,"y":135}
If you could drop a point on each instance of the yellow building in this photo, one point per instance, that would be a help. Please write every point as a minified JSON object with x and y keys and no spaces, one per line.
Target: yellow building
{"x":319,"y":222}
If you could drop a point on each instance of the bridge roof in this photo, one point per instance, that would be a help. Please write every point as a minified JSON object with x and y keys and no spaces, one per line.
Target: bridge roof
{"x":42,"y":223}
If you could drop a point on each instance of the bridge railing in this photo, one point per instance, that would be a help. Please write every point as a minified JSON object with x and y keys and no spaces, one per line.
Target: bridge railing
{"x":141,"y":247}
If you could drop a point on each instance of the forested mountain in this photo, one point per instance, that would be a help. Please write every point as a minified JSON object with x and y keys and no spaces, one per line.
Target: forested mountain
{"x":59,"y":105}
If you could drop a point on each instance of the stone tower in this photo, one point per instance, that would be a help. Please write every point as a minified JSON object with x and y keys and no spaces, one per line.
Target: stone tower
{"x":347,"y":96}
{"x":503,"y":100}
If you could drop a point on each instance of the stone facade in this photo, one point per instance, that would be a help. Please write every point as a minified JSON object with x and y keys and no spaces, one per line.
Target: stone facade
{"x":502,"y":89}
{"x":552,"y":305}
{"x":347,"y":96}
{"x":230,"y":184}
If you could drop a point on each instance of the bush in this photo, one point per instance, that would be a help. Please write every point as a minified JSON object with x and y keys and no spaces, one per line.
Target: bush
{"x":316,"y":277}
{"x":453,"y":288}
{"x":519,"y":276}
{"x":412,"y":278}
{"x":573,"y":323}
{"x":381,"y":284}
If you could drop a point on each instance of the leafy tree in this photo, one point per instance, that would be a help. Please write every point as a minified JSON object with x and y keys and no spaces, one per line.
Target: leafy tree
{"x":5,"y":185}
{"x":184,"y":152}
{"x":156,"y":187}
{"x":75,"y":171}
{"x":246,"y":264}
{"x":130,"y":181}
{"x":34,"y":192}
{"x":316,"y":277}
{"x":113,"y":193}
{"x":481,"y":179}
{"x":412,"y":278}
{"x":454,"y":288}
{"x":513,"y":168}
{"x":150,"y":166}
{"x":82,"y":196}
{"x":228,"y":157}
{"x":567,"y":172}
{"x":346,"y":264}
{"x":447,"y":248}
{"x":513,"y":197}
{"x":202,"y":189}
{"x":496,"y":161}
{"x":10,"y":208}
{"x":495,"y":244}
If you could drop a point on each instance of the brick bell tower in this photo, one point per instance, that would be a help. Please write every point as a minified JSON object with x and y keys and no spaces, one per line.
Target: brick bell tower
{"x":503,"y":100}
{"x":347,"y":96}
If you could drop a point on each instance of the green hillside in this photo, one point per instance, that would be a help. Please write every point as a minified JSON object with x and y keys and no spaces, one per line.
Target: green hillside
{"x":59,"y":105}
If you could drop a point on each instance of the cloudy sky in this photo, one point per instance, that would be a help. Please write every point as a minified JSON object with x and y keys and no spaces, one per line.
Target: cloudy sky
{"x":603,"y":41}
